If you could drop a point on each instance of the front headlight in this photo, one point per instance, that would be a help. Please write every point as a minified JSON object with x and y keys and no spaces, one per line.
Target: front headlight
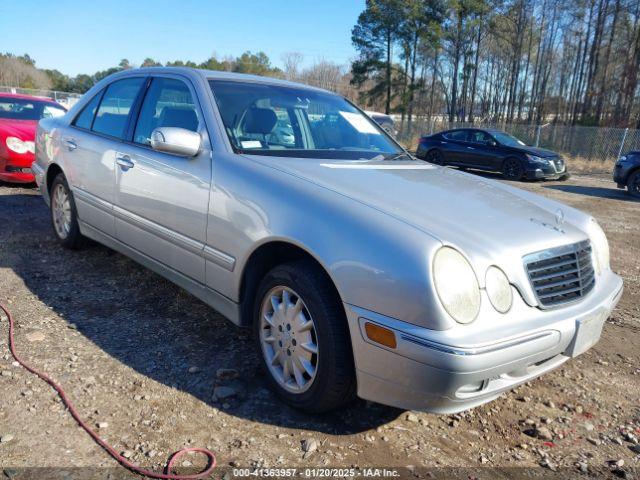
{"x":498,"y":289}
{"x":600,"y":246}
{"x":536,"y":159}
{"x":456,"y":285}
{"x":16,"y":145}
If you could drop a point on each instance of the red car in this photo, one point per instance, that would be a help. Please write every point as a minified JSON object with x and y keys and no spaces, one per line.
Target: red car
{"x":19,"y":115}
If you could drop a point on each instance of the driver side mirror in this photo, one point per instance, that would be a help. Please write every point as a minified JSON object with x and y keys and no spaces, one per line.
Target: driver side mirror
{"x":176,"y":141}
{"x":492,"y":143}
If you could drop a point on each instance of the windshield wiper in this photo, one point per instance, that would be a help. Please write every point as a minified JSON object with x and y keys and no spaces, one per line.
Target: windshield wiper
{"x":398,"y":156}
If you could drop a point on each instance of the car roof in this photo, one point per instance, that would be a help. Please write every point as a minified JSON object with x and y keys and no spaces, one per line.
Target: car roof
{"x":488,"y":130}
{"x":220,"y":75}
{"x":493,"y":130}
{"x":28,"y":97}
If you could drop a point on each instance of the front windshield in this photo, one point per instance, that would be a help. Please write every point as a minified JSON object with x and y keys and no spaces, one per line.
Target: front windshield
{"x":508,"y":140}
{"x":275,"y":120}
{"x":27,"y":109}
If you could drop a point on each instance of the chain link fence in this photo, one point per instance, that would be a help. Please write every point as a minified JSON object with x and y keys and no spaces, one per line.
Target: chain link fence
{"x":590,"y":144}
{"x":66,"y":99}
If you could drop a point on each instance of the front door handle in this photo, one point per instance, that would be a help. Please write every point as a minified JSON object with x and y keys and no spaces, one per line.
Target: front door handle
{"x":471,"y":148}
{"x":124,"y":161}
{"x":71,"y":144}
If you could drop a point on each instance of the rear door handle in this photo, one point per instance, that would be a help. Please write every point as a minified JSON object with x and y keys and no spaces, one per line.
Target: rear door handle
{"x":124,"y":161}
{"x":471,"y":148}
{"x":71,"y":144}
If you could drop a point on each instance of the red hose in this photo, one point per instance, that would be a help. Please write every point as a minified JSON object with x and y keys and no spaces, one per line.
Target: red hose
{"x":110,"y":450}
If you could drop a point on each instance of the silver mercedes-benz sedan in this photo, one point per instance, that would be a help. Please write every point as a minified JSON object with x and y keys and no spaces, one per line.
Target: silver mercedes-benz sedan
{"x":360,"y":269}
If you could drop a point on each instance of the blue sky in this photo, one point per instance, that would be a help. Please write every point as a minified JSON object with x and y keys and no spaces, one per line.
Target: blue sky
{"x":78,"y":36}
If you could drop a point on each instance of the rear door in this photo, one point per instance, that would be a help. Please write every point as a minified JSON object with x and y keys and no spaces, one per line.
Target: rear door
{"x":455,"y":147}
{"x":162,"y":199}
{"x":89,"y":146}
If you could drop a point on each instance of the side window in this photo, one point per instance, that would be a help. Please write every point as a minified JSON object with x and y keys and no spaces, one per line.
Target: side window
{"x":113,"y":112}
{"x":477,"y":136}
{"x":459,"y":135}
{"x":168,"y":103}
{"x":85,"y":117}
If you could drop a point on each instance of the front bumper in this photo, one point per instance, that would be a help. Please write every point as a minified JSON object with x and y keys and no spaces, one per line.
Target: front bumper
{"x":556,"y":169}
{"x":621,"y":173}
{"x":442,"y":372}
{"x":16,"y":177}
{"x":16,"y":170}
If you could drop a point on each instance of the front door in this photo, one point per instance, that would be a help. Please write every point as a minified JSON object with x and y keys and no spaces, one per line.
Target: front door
{"x":162,"y":199}
{"x":480,"y":152}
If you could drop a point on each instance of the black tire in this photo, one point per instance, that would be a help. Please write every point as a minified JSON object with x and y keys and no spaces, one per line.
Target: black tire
{"x":512,"y":169}
{"x":633,"y":184}
{"x":435,"y":157}
{"x":73,"y":239}
{"x":334,"y":384}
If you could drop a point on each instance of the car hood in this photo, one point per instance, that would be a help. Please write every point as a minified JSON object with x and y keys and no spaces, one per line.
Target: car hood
{"x":23,"y":129}
{"x":474,"y":213}
{"x":538,"y":152}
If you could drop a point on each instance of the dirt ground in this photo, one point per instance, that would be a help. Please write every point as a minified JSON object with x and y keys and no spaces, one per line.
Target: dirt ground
{"x":139,"y":356}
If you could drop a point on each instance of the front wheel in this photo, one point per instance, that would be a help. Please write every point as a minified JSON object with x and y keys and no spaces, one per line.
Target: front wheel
{"x":512,"y":169}
{"x":64,"y":216}
{"x":303,"y":338}
{"x":633,"y":184}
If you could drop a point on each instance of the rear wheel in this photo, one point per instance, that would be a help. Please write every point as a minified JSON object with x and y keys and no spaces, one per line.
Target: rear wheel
{"x":633,"y":184}
{"x":435,"y":156}
{"x":64,"y":215}
{"x":512,"y":169}
{"x":302,"y":335}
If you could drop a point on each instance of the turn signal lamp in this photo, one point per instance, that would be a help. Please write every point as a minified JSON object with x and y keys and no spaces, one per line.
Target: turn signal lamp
{"x":380,"y":335}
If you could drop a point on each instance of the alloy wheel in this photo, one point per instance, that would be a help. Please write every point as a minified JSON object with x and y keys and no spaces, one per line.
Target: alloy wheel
{"x":288,"y":339}
{"x":512,"y":169}
{"x":61,"y":211}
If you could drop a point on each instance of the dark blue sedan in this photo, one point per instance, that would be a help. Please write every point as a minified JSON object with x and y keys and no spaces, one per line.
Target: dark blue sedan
{"x":626,"y":173}
{"x":494,"y":151}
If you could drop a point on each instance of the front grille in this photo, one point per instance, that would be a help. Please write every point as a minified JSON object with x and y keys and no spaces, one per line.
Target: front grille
{"x":561,"y":275}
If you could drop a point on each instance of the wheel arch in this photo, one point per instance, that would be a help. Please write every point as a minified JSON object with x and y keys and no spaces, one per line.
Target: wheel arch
{"x":265,"y":257}
{"x":631,"y":171}
{"x":52,"y":172}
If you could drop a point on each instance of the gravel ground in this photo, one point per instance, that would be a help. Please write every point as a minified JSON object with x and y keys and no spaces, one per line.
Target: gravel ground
{"x":142,"y":359}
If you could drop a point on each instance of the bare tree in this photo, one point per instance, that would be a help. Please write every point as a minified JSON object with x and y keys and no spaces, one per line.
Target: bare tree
{"x":291,"y":62}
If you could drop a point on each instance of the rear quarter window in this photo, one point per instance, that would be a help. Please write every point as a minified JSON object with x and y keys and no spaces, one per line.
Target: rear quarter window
{"x":85,"y":117}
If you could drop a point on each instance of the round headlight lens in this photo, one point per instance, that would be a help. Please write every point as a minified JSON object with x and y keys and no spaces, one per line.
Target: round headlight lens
{"x":456,"y":284}
{"x":600,"y":246}
{"x":16,"y":145}
{"x":498,"y":289}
